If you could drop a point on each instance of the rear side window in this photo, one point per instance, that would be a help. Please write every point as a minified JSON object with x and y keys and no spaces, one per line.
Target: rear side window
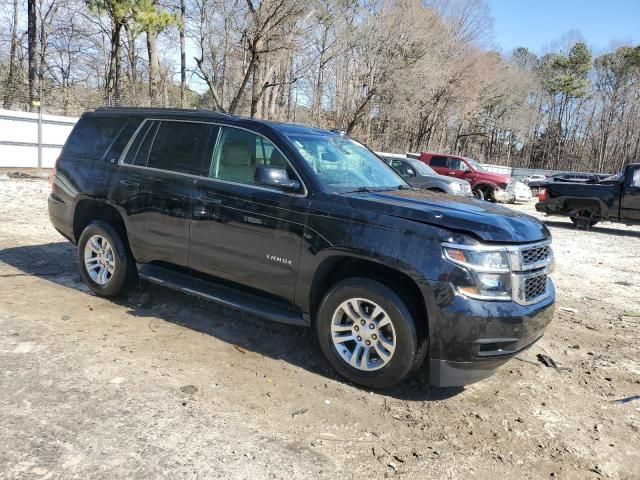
{"x":120,"y":142}
{"x":139,"y":149}
{"x":92,"y":136}
{"x":438,"y":162}
{"x":181,"y":147}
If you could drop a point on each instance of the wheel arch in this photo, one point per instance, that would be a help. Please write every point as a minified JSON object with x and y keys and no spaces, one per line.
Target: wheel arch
{"x":88,"y":209}
{"x":341,"y":266}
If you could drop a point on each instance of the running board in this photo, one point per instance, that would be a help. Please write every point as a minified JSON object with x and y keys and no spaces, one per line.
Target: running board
{"x":227,"y":296}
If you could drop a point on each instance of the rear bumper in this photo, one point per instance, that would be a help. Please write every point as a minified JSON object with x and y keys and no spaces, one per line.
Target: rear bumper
{"x":59,"y":217}
{"x":544,"y":208}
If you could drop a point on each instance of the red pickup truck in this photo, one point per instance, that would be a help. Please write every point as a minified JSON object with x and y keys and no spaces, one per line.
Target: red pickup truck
{"x":485,"y":185}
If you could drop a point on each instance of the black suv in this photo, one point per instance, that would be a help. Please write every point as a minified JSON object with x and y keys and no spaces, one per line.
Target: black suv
{"x":307,"y":227}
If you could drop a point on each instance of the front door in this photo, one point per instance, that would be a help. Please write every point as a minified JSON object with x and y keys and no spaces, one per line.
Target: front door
{"x":241,"y":231}
{"x":630,"y":208}
{"x":155,"y":187}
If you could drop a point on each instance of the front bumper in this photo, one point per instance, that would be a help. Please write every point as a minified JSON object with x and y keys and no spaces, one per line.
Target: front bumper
{"x":470,"y":339}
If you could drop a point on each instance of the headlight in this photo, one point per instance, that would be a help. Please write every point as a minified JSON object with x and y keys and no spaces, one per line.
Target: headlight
{"x":455,"y":187}
{"x":480,"y":260}
{"x":489,"y":268}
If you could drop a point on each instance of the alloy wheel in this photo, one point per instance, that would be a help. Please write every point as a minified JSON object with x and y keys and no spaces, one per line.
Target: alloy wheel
{"x":363,"y":334}
{"x":99,"y":259}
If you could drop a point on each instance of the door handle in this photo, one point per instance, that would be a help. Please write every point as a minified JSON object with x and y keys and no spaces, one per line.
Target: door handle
{"x":130,"y":184}
{"x":211,"y":200}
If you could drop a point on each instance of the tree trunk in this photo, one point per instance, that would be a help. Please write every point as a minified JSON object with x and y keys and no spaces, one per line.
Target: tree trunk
{"x":183,"y":57}
{"x":8,"y":93}
{"x":32,"y":36}
{"x":154,"y":68}
{"x":112,"y":85}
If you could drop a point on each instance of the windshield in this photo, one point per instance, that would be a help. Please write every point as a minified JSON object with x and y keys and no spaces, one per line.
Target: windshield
{"x":422,"y":168}
{"x":344,"y":165}
{"x":475,"y":165}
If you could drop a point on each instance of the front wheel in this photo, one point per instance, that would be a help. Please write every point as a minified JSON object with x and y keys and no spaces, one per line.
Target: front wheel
{"x":478,"y":194}
{"x":105,"y":263}
{"x":368,"y":334}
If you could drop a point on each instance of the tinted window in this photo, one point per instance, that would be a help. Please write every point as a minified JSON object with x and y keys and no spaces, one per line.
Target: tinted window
{"x":635,"y":182}
{"x":92,"y":136}
{"x":181,"y":147}
{"x":120,"y":142}
{"x":144,"y":147}
{"x":438,"y":162}
{"x":144,"y":136}
{"x":239,"y":152}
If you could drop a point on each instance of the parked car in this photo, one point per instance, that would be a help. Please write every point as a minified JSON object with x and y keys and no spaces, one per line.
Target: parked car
{"x":616,"y":198}
{"x":307,"y":227}
{"x":534,"y":182}
{"x":419,"y":175}
{"x":485,"y":185}
{"x":522,"y":192}
{"x":534,"y":178}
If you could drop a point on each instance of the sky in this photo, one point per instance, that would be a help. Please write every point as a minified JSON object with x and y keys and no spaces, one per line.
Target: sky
{"x":538,"y":24}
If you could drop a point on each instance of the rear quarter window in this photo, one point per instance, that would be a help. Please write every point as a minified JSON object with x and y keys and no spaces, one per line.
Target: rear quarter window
{"x":92,"y":136}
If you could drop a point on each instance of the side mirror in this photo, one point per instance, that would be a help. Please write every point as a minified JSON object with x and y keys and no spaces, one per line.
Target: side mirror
{"x":410,"y":172}
{"x":275,"y":177}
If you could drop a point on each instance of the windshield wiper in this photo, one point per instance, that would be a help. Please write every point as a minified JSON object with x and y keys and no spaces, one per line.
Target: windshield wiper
{"x":359,"y":190}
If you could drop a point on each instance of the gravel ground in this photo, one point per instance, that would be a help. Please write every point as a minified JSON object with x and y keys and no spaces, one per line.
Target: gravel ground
{"x":160,"y":384}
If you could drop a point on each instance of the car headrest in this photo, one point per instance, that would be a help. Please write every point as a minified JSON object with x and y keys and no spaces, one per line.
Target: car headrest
{"x":236,"y":153}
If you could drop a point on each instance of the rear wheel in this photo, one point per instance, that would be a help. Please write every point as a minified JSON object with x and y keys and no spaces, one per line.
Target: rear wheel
{"x":105,"y":263}
{"x":368,"y":334}
{"x":584,"y":218}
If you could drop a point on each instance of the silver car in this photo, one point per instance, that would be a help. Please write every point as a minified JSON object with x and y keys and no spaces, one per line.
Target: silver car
{"x":422,"y":176}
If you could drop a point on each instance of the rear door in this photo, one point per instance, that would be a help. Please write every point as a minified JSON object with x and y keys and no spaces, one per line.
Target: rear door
{"x":241,"y":231}
{"x":631,"y":195}
{"x":156,"y":183}
{"x":440,"y":164}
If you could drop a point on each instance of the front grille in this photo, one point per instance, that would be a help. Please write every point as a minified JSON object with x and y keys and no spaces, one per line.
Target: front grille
{"x":536,"y":254}
{"x":535,"y":287}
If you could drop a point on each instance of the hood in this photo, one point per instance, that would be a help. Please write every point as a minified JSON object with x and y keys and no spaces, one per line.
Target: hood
{"x":496,"y":178}
{"x":484,"y":220}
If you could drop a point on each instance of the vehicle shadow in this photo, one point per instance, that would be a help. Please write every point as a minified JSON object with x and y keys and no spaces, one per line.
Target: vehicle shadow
{"x":56,"y":262}
{"x":597,"y":229}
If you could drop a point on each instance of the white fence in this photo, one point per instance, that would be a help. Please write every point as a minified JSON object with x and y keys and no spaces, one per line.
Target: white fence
{"x":28,"y":140}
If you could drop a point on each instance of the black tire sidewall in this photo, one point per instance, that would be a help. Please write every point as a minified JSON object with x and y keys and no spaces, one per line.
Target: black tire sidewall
{"x":407,"y":341}
{"x":123,"y":261}
{"x":478,"y":194}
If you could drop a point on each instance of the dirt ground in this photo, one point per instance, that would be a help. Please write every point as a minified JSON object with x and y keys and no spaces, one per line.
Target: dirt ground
{"x":163,"y":385}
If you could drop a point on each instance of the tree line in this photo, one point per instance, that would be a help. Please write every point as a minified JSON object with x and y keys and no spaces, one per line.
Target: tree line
{"x":403,"y":75}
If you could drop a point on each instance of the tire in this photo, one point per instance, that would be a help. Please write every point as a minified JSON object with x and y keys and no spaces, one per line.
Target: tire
{"x":375,"y":371}
{"x":116,"y":254}
{"x":583,"y":218}
{"x":478,"y":194}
